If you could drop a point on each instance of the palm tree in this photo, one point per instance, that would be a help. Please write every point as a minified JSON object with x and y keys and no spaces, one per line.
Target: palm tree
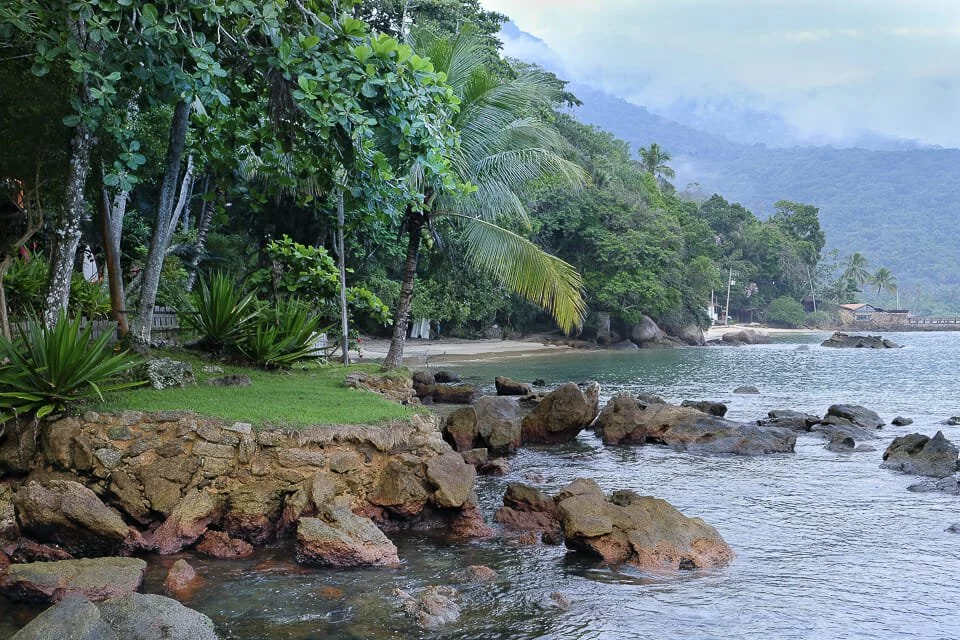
{"x":855,"y":269}
{"x":884,"y":280}
{"x":654,"y":161}
{"x":504,"y":145}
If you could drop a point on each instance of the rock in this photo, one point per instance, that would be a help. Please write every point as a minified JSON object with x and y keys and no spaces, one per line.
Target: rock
{"x":840,"y":340}
{"x":188,"y":521}
{"x":460,"y":428}
{"x":469,"y":523}
{"x":787,"y":419}
{"x":70,"y":515}
{"x":211,"y":368}
{"x":93,"y":578}
{"x":510,"y":387}
{"x":164,"y":373}
{"x":620,"y":421}
{"x":182,"y":580}
{"x":746,"y":390}
{"x":499,"y":423}
{"x":831,"y":426}
{"x":900,"y":421}
{"x":401,"y":489}
{"x":446,"y":377}
{"x":453,"y":479}
{"x":423,"y":378}
{"x":687,"y":429}
{"x":459,"y":394}
{"x":856,"y":414}
{"x":476,"y":457}
{"x":954,"y":528}
{"x":639,"y":530}
{"x":952,"y":422}
{"x":840,"y":443}
{"x":919,"y":455}
{"x":433,"y":607}
{"x":480,"y":573}
{"x":495,"y":467}
{"x":141,"y":616}
{"x":231,"y":381}
{"x":706,"y":406}
{"x":949,"y":485}
{"x":560,"y":416}
{"x":646,"y":399}
{"x":74,"y":618}
{"x":526,"y":508}
{"x":253,"y":511}
{"x":343,"y":539}
{"x":27,"y":550}
{"x":644,"y":331}
{"x":397,"y":388}
{"x":218,"y":544}
{"x":560,"y":600}
{"x":539,"y":382}
{"x":624,"y":345}
{"x":9,"y":531}
{"x":743,"y":337}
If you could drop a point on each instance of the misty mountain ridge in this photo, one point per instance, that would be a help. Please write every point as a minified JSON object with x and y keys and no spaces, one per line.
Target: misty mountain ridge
{"x":895,"y":200}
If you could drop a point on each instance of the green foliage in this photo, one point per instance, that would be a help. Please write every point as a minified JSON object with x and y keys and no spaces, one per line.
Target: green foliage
{"x":26,"y":282}
{"x":90,"y":300}
{"x":282,"y":334}
{"x":786,"y":312}
{"x":821,"y":320}
{"x":220,"y":312}
{"x":48,"y":370}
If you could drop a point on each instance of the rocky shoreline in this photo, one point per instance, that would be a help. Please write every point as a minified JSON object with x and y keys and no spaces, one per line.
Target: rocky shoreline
{"x":81,"y":497}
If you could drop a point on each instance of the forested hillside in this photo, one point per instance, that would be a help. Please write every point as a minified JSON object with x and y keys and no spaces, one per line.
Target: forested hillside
{"x":899,"y":207}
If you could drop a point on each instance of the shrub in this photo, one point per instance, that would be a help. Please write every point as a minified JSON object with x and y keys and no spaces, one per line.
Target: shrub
{"x":89,"y":299}
{"x":47,"y":370}
{"x":25,"y":282}
{"x":220,"y":312}
{"x":785,"y":311}
{"x":821,"y":320}
{"x":281,"y":335}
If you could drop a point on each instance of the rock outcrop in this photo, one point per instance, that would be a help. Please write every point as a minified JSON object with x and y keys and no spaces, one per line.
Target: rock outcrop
{"x":686,"y":428}
{"x":744,"y":337}
{"x":93,"y":578}
{"x":510,"y":387}
{"x":561,"y":415}
{"x":849,"y":420}
{"x":643,"y":531}
{"x":788,"y":419}
{"x":840,"y":340}
{"x":526,"y":508}
{"x":921,"y":455}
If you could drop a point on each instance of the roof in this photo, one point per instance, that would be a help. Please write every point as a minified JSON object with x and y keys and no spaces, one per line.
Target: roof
{"x":854,"y":307}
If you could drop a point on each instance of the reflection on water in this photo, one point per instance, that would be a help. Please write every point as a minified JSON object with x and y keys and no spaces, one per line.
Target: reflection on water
{"x":828,"y":545}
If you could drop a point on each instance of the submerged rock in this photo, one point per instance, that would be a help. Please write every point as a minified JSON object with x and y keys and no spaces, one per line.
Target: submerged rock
{"x":920,"y":455}
{"x":639,"y":530}
{"x":433,"y":607}
{"x":92,"y":578}
{"x":787,"y":419}
{"x":949,"y":485}
{"x":480,"y":573}
{"x":840,"y":443}
{"x":747,"y":390}
{"x":841,"y":340}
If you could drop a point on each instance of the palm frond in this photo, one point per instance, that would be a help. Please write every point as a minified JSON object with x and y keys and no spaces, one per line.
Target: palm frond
{"x":527,"y":270}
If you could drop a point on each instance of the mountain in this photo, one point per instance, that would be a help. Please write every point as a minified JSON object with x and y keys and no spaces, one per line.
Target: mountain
{"x":894,"y":200}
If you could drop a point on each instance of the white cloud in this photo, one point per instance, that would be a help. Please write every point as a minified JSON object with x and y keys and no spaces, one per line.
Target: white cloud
{"x":830,"y":69}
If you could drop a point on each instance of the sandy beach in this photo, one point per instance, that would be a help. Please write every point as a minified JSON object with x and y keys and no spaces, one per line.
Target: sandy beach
{"x":716,"y":332}
{"x":451,"y":349}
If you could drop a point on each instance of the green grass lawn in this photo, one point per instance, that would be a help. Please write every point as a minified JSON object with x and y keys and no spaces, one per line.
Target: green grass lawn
{"x":305,"y":396}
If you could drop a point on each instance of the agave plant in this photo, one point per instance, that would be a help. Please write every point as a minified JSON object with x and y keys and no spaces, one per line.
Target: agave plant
{"x":47,"y":369}
{"x":221,"y":312}
{"x":282,"y":335}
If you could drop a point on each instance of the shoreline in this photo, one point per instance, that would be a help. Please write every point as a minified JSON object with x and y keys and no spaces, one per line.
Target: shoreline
{"x":457,"y":349}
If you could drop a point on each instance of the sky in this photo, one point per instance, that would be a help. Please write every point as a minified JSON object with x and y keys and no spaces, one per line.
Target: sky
{"x":829,"y":70}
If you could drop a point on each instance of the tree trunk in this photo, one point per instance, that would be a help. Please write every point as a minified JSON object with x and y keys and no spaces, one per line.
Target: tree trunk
{"x":203,"y":227}
{"x":111,"y":227}
{"x":67,"y":225}
{"x":394,"y":359}
{"x":168,"y":211}
{"x":4,"y":316}
{"x":344,"y":329}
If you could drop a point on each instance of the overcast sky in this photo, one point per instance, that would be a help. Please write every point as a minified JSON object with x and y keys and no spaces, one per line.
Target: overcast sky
{"x":830,"y":68}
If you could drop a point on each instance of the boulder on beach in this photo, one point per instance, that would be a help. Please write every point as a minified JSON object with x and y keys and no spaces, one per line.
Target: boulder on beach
{"x":643,"y":531}
{"x":93,"y":578}
{"x":561,"y":415}
{"x":744,"y":337}
{"x":920,"y":455}
{"x":841,"y":340}
{"x":343,"y":539}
